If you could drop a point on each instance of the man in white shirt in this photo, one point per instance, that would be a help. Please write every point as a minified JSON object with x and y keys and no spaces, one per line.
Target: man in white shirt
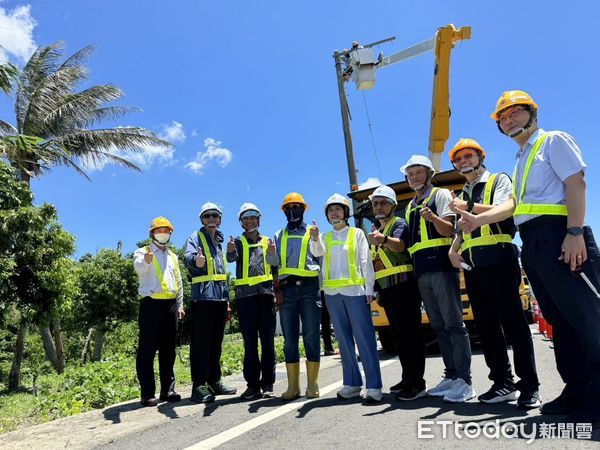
{"x":161,"y":306}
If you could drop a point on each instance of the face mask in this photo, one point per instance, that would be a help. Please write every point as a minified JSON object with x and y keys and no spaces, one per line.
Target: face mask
{"x":251,"y":230}
{"x":467,"y":169}
{"x":294,"y":215}
{"x":162,"y":238}
{"x":380,"y":216}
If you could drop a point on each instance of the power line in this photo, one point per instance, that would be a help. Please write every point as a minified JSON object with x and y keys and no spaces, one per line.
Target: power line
{"x":371,"y":133}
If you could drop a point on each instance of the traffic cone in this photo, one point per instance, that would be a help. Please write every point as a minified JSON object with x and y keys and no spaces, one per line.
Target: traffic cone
{"x":542,"y":324}
{"x":536,"y":312}
{"x":549,"y":333}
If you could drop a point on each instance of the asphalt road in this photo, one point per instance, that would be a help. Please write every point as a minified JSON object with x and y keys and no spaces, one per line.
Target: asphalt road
{"x":321,"y":423}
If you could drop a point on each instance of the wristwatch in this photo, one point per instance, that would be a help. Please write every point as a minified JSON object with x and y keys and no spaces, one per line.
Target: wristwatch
{"x":385,"y":239}
{"x":470,"y":205}
{"x":575,"y":231}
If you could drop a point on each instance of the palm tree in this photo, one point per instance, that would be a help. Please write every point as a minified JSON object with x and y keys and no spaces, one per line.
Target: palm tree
{"x":54,"y":122}
{"x":55,"y":125}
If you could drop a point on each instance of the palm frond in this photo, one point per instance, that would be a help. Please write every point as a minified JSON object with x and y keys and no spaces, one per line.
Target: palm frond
{"x":79,"y":57}
{"x":9,"y":74}
{"x":6,"y":129}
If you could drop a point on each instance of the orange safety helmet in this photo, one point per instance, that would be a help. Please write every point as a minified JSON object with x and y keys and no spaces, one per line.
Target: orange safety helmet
{"x":294,"y":197}
{"x":511,"y":98}
{"x":160,"y":222}
{"x":465,"y":143}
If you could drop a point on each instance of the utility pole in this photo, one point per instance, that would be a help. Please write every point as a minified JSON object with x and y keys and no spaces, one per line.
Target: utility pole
{"x":337,"y":56}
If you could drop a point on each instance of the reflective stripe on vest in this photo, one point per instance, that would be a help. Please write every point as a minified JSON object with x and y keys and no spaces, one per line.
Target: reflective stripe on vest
{"x":487,"y":237}
{"x":354,"y":279}
{"x":252,"y":281}
{"x":285,"y":270}
{"x":210,"y":264}
{"x":165,"y":293}
{"x":424,"y":241}
{"x":390,"y":269}
{"x":531,"y":208}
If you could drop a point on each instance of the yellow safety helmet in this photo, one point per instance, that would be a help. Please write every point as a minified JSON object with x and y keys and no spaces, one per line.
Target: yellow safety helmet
{"x":465,"y":143}
{"x":511,"y":98}
{"x":294,"y":197}
{"x":160,"y":222}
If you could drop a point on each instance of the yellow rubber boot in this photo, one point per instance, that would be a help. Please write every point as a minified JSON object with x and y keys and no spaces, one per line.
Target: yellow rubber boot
{"x":293,"y":376}
{"x":312,"y":375}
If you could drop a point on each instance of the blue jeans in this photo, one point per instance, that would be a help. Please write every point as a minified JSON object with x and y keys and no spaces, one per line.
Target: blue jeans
{"x":301,"y":303}
{"x":351,"y":318}
{"x":440,"y":292}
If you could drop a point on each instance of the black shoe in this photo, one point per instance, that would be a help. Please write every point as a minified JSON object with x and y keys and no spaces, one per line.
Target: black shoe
{"x":499,"y":392}
{"x":267,"y":391}
{"x":219,"y":388}
{"x":529,"y":400}
{"x":395,"y":389}
{"x":202,"y":394}
{"x":329,"y":352}
{"x":250,"y":393}
{"x":149,"y":401}
{"x":562,"y":405}
{"x":170,"y":397}
{"x":408,"y":393}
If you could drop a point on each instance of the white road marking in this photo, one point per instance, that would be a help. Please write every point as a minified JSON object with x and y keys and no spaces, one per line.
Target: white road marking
{"x":242,"y":428}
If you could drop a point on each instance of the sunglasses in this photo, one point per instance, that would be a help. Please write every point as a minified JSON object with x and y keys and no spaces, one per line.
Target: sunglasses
{"x":379,"y":203}
{"x":292,"y":207}
{"x":211,"y":216}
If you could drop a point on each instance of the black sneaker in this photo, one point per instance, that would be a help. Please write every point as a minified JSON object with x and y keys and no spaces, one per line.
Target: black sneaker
{"x":529,"y":400}
{"x":498,"y":393}
{"x":219,"y":388}
{"x":267,"y":391}
{"x":395,"y":389}
{"x":149,"y":401}
{"x":170,"y":397}
{"x":408,"y":393}
{"x":250,"y":393}
{"x":202,"y":394}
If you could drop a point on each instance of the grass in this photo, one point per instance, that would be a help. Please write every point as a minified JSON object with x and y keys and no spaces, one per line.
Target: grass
{"x":49,"y":396}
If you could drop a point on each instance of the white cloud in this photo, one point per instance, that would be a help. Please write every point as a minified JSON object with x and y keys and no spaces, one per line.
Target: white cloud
{"x":173,"y":132}
{"x":150,"y":154}
{"x":213,"y":153}
{"x":16,"y":33}
{"x":194,"y":132}
{"x":371,"y":182}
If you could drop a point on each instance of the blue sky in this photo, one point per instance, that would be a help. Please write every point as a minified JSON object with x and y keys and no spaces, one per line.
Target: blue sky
{"x":247,"y":93}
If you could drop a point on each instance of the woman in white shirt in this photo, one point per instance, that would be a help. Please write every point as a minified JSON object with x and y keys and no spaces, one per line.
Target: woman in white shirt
{"x":348,"y":280}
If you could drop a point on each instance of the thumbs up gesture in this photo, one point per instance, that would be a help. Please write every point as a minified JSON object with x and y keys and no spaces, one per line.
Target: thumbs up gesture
{"x":468,"y":222}
{"x":271,"y":248}
{"x":457,"y":203}
{"x":231,"y":245}
{"x":200,"y":258}
{"x":314,"y":231}
{"x":427,"y":214}
{"x":148,"y":256}
{"x":376,"y":237}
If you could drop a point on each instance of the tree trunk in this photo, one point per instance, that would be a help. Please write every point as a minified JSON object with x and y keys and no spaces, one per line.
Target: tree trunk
{"x":98,"y":343}
{"x":86,"y":346}
{"x":49,"y":348}
{"x":58,"y":345}
{"x":15,"y":371}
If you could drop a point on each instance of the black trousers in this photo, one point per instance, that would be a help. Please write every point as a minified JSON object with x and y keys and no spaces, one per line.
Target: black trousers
{"x":157,"y":332}
{"x":568,"y":304}
{"x":325,"y":325}
{"x":208,"y":328}
{"x":257,"y":321}
{"x":402,"y":305}
{"x":494,"y":295}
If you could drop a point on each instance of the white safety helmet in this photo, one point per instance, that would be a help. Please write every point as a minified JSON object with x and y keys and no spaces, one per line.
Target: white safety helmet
{"x":247,"y":210}
{"x":417,"y":160}
{"x":209,"y":206}
{"x":385,"y":192}
{"x":338,"y":199}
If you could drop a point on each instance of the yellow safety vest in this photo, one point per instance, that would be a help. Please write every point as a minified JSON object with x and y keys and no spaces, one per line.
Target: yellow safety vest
{"x":165,"y":293}
{"x":350,"y":244}
{"x":487,"y":237}
{"x":530,"y":208}
{"x":424,"y":241}
{"x":252,"y":281}
{"x":390,"y":269}
{"x":300,"y":270}
{"x":210,"y":264}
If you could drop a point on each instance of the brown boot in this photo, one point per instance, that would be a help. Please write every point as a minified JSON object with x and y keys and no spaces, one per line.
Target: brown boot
{"x":312,"y":375}
{"x":293,"y":376}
